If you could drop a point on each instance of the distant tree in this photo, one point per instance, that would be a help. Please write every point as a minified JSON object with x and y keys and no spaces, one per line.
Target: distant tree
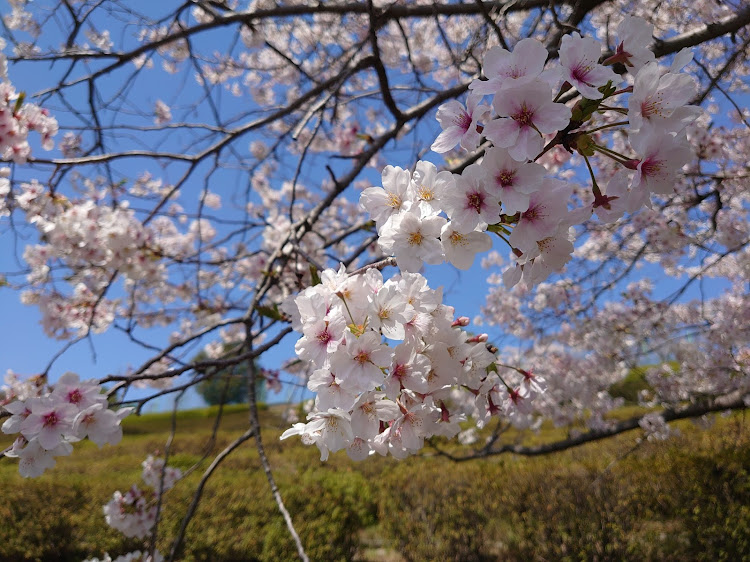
{"x":228,"y":386}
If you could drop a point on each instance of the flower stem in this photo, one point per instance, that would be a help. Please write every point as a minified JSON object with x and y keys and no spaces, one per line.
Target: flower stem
{"x":609,"y":126}
{"x":616,"y":156}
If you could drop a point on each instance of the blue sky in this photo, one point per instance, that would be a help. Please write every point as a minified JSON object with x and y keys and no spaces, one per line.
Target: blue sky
{"x":25,"y":348}
{"x":23,"y":345}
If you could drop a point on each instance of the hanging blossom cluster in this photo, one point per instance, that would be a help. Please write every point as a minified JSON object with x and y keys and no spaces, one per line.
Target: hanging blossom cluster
{"x":508,"y":192}
{"x":373,"y":397}
{"x":134,"y":512}
{"x":50,"y":418}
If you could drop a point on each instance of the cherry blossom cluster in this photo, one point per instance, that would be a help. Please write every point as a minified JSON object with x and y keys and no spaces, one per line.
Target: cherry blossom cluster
{"x":17,"y":119}
{"x":655,"y":428}
{"x":583,"y":357}
{"x":135,"y":556}
{"x":88,"y":241}
{"x":50,"y":418}
{"x":375,"y":398}
{"x":508,"y":191}
{"x":134,"y":512}
{"x":94,"y":239}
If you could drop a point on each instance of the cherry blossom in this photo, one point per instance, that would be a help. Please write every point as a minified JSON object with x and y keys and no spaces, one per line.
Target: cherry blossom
{"x":461,"y":247}
{"x":634,"y":40}
{"x":135,"y":556}
{"x":459,"y":124}
{"x":547,"y":208}
{"x":321,"y":337}
{"x":413,"y":240}
{"x":504,"y":69}
{"x":661,"y":155}
{"x":49,"y":422}
{"x":662,"y":97}
{"x":100,"y":425}
{"x":51,"y":417}
{"x":471,"y":205}
{"x":395,"y":195}
{"x":358,"y":363}
{"x":134,"y":513}
{"x":579,"y":58}
{"x":526,"y":113}
{"x":510,"y":180}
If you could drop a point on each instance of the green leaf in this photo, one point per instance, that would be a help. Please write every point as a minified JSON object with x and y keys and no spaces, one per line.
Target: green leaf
{"x":271,"y":312}
{"x":584,"y":144}
{"x":19,"y":102}
{"x":314,"y":275}
{"x":608,"y":89}
{"x":584,"y":109}
{"x":498,"y":229}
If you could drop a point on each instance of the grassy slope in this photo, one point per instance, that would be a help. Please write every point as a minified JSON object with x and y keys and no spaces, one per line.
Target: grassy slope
{"x":660,"y":501}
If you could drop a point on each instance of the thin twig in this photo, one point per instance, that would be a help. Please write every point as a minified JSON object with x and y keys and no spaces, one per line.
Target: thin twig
{"x":255,"y":421}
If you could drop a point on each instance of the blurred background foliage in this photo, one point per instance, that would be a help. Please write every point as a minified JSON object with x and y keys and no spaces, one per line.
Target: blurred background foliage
{"x":687,"y":498}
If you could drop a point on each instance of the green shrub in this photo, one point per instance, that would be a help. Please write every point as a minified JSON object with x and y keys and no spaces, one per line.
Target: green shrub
{"x":437,"y":510}
{"x":630,"y":387}
{"x":331,"y":508}
{"x":238,"y":518}
{"x":44,"y":521}
{"x":708,"y":491}
{"x":673,"y":501}
{"x":571,"y":515}
{"x":684,"y":499}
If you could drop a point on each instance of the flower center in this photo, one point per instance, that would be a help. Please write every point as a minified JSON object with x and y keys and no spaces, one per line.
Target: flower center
{"x":652,"y":106}
{"x":514,"y":72}
{"x":515,"y":396}
{"x":325,"y":336}
{"x":475,"y":201}
{"x":425,"y":193}
{"x":581,"y":71}
{"x":532,"y":213}
{"x":399,"y":371}
{"x":415,"y":238}
{"x":50,"y":420}
{"x":463,"y":121}
{"x":524,"y":117}
{"x":505,"y":177}
{"x":457,"y":239}
{"x":651,"y":168}
{"x":544,"y":244}
{"x":362,"y":357}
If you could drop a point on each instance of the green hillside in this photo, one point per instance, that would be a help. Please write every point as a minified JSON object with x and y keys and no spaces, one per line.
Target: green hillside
{"x":684,"y":499}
